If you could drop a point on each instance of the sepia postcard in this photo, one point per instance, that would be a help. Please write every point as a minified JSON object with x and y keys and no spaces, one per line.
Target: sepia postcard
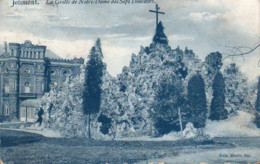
{"x":129,"y":81}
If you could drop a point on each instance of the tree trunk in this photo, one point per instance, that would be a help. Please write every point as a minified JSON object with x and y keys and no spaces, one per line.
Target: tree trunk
{"x":85,"y":128}
{"x":89,"y":134}
{"x":179,"y":112}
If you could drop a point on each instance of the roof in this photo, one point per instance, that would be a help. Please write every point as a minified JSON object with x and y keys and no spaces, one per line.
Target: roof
{"x":31,"y":103}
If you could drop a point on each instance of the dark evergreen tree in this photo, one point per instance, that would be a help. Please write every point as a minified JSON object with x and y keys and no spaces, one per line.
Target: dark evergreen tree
{"x":168,"y":99}
{"x":93,"y":81}
{"x":159,"y":36}
{"x":257,"y":106}
{"x":197,"y":104}
{"x":217,"y":107}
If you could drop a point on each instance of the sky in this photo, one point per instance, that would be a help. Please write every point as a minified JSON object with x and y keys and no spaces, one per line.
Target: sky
{"x":202,"y":25}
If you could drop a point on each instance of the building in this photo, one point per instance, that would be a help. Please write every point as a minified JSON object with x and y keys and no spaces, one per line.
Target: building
{"x":26,"y":74}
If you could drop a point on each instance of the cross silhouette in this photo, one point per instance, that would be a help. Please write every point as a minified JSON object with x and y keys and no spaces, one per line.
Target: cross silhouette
{"x":157,"y":8}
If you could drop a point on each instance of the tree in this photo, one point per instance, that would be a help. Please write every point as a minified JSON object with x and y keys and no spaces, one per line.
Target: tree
{"x":217,"y":110}
{"x":168,"y":99}
{"x":257,"y":106}
{"x":93,"y":81}
{"x":241,"y":50}
{"x":159,"y":36}
{"x":213,"y":63}
{"x":197,"y":103}
{"x":239,"y":95}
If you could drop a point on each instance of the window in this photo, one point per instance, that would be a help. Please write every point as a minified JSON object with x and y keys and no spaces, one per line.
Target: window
{"x":42,"y":86}
{"x":14,"y":85}
{"x":27,"y":84}
{"x":7,"y":109}
{"x":52,"y":72}
{"x":23,"y":114}
{"x":6,"y":70}
{"x":31,"y":113}
{"x":7,"y":89}
{"x":66,"y":72}
{"x":27,"y":71}
{"x":27,"y":87}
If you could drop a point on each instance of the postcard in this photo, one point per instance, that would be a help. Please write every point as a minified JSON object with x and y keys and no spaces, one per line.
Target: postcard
{"x":129,"y":81}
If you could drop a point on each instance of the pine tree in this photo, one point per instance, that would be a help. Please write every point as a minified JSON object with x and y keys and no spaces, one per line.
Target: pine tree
{"x":197,"y":110}
{"x":93,"y":81}
{"x":217,"y":110}
{"x":257,"y":106}
{"x":159,"y":36}
{"x":168,"y":99}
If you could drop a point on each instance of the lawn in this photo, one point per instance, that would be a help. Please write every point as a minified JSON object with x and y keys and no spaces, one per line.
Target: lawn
{"x":21,"y":147}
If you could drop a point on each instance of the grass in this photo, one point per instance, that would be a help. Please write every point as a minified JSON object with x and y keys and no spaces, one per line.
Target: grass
{"x":81,"y":150}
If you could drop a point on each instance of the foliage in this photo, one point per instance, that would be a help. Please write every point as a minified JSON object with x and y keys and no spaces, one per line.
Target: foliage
{"x":212,"y":65}
{"x":167,"y":100}
{"x":144,"y":99}
{"x":257,"y":106}
{"x":106,"y":123}
{"x":197,"y":103}
{"x":239,"y":94}
{"x":93,"y":80}
{"x":217,"y":110}
{"x":213,"y":62}
{"x":63,"y":108}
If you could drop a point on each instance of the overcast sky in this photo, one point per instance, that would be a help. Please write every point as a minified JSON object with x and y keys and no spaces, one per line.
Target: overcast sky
{"x":70,"y":30}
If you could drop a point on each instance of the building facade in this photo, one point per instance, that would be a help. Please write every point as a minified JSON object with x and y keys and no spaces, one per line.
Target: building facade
{"x":26,"y":74}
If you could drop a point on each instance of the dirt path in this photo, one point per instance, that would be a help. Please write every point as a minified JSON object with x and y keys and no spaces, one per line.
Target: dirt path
{"x":45,"y":132}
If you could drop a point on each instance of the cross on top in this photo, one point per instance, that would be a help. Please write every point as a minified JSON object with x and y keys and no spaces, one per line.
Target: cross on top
{"x":157,"y":8}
